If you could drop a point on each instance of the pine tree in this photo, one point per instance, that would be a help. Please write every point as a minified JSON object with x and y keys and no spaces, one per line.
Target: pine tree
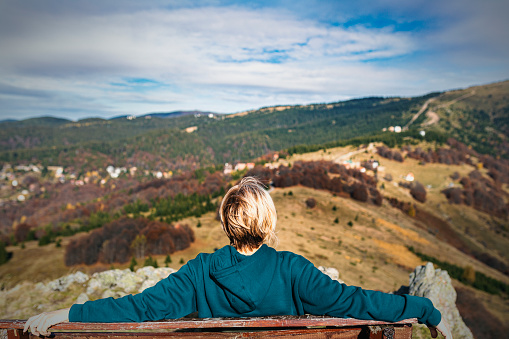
{"x":167,"y":260}
{"x":149,"y":261}
{"x":4,"y":256}
{"x":133,"y":264}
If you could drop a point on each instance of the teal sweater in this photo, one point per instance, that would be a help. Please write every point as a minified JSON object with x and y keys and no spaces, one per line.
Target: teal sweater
{"x":229,"y":284}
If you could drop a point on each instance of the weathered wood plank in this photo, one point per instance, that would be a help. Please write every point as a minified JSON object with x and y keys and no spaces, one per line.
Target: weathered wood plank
{"x":275,"y":327}
{"x":277,"y":321}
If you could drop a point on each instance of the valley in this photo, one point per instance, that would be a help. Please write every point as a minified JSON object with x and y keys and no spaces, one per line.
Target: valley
{"x":373,"y":224}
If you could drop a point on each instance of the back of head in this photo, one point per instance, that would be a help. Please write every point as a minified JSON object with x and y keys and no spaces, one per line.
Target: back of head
{"x":248,"y":215}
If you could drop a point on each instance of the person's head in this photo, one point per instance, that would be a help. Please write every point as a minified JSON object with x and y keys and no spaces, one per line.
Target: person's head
{"x":248,"y":215}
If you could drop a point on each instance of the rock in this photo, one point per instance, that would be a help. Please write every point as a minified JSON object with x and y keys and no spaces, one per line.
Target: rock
{"x":82,"y":298}
{"x":435,"y":284}
{"x":94,"y":285}
{"x":62,"y":284}
{"x":40,"y":287}
{"x":109,"y":279}
{"x":145,"y":272}
{"x":113,"y":294}
{"x":163,"y":272}
{"x":331,"y":272}
{"x":129,"y":282}
{"x":152,"y":276}
{"x":148,"y":283}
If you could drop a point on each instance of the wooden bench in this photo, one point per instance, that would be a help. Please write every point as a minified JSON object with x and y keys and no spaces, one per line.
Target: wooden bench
{"x":277,"y":327}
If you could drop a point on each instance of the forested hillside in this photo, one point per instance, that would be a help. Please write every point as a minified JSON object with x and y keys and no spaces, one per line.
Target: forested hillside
{"x":151,"y":143}
{"x":477,"y":116}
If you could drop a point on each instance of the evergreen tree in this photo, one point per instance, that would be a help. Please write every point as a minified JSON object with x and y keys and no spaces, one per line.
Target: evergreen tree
{"x":133,"y":264}
{"x":4,"y":256}
{"x":167,"y":260}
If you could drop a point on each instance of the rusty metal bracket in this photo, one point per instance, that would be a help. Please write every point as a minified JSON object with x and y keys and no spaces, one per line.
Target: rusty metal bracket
{"x":388,"y":333}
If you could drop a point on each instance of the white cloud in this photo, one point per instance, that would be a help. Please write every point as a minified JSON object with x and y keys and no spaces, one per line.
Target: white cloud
{"x":211,"y":58}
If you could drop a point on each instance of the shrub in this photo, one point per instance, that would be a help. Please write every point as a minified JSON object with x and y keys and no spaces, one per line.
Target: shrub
{"x":418,"y":191}
{"x":4,"y":255}
{"x":150,"y":262}
{"x":311,"y":203}
{"x":360,"y":192}
{"x":22,"y":232}
{"x":133,"y":264}
{"x":469,"y":274}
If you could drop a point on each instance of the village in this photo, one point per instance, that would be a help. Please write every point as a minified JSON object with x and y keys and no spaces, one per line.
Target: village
{"x":17,"y":183}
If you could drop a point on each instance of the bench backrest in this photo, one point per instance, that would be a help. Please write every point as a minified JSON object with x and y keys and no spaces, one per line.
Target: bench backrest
{"x":276,"y":326}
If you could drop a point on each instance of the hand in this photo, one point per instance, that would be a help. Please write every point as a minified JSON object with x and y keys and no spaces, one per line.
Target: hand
{"x":442,"y":328}
{"x":39,"y":324}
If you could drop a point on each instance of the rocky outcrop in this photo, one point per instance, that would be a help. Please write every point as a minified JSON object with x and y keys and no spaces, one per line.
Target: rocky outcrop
{"x":331,"y":272}
{"x":62,"y":284}
{"x":27,"y":299}
{"x":117,"y":283}
{"x":435,"y":284}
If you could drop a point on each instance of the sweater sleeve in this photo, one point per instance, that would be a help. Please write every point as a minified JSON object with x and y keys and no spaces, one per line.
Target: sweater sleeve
{"x":322,"y":295}
{"x":171,"y":298}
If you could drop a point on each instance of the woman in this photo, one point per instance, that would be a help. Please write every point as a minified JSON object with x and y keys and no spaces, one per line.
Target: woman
{"x":247,"y":279}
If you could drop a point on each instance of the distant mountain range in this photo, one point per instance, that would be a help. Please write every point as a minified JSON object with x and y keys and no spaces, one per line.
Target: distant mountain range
{"x":477,"y":116}
{"x":48,"y":120}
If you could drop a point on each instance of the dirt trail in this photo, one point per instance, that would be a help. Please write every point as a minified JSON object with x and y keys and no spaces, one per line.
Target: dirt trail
{"x":418,"y":114}
{"x":348,"y":155}
{"x":433,"y":117}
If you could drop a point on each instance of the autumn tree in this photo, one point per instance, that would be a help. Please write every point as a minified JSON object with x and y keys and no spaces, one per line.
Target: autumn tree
{"x":418,"y":191}
{"x":138,"y":245}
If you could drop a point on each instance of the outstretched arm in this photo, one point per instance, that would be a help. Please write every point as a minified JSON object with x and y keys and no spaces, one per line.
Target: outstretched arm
{"x":39,"y":324}
{"x":173,"y":297}
{"x":321,"y":295}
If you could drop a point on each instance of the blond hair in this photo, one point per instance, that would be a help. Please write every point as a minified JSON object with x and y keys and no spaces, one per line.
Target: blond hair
{"x":248,"y":215}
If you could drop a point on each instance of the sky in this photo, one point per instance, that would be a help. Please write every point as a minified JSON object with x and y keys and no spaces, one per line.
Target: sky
{"x":86,"y":58}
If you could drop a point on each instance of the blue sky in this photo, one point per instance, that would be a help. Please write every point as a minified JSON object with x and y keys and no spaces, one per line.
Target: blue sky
{"x":86,"y":58}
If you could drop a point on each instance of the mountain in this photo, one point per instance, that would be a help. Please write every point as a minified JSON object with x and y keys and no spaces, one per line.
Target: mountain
{"x":374,"y":244}
{"x":215,"y":139}
{"x":375,"y":227}
{"x":34,"y":122}
{"x":476,"y":116}
{"x":176,"y":114}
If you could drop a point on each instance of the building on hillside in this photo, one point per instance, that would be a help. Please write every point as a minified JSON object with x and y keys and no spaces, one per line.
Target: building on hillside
{"x":271,"y":165}
{"x":59,"y":170}
{"x":228,"y":168}
{"x":351,"y":164}
{"x":410,"y":177}
{"x":242,"y":166}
